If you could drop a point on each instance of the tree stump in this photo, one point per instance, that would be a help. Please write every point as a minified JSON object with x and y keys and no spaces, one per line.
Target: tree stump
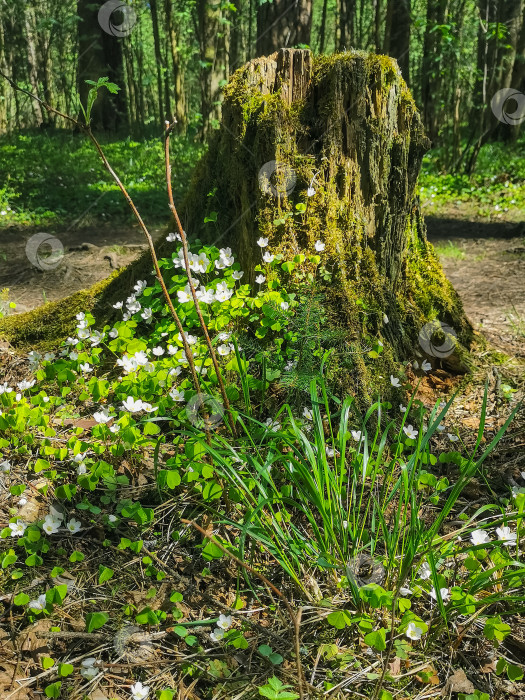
{"x":316,"y":149}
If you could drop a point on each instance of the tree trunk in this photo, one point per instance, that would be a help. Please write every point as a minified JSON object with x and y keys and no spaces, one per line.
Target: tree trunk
{"x":322,"y":149}
{"x":213,"y":37}
{"x":282,"y":23}
{"x":99,"y":55}
{"x":397,"y":34}
{"x":179,"y":97}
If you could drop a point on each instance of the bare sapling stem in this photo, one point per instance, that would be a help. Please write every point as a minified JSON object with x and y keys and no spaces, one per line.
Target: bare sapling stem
{"x":87,"y":130}
{"x":184,"y":241}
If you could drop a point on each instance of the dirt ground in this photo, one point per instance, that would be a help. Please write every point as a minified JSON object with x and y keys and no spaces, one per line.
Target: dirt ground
{"x":82,"y":257}
{"x":489,"y":277}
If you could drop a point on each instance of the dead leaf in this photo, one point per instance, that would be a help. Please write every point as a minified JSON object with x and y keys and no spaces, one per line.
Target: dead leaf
{"x":395,"y":667}
{"x":458,"y":683}
{"x":428,"y":675}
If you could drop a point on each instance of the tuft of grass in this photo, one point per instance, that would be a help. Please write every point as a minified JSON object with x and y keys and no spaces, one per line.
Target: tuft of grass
{"x":449,"y":250}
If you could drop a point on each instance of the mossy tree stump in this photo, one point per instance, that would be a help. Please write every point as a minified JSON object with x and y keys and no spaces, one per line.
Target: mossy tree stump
{"x":347,"y":127}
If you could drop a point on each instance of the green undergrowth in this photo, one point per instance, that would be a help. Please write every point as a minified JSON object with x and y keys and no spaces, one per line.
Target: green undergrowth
{"x":353,"y":511}
{"x":50,"y":178}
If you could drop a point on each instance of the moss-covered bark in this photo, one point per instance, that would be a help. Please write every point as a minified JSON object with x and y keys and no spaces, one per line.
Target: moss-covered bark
{"x":347,"y":126}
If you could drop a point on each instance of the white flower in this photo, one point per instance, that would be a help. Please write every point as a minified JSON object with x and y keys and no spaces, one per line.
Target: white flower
{"x":74,"y":525}
{"x":18,"y":528}
{"x":88,"y":670}
{"x":479,"y":537}
{"x":146,"y":314}
{"x":140,"y":286}
{"x":385,"y":318}
{"x":38,"y":604}
{"x":440,"y":427}
{"x":114,"y":428}
{"x":405,"y":591}
{"x":504,"y":533}
{"x":356,"y":434}
{"x":80,"y":457}
{"x":225,"y":622}
{"x":113,"y":333}
{"x":139,"y":691}
{"x":329,"y":451}
{"x":177,"y":395}
{"x":307,"y":413}
{"x":413,"y":631}
{"x":51,"y":525}
{"x":81,"y":469}
{"x":190,"y":339}
{"x":222,"y":292}
{"x":402,"y":408}
{"x":118,"y":305}
{"x":310,"y":192}
{"x":426,"y":366}
{"x":452,"y":438}
{"x":5,"y":466}
{"x":26,"y":385}
{"x":73,"y":355}
{"x":80,"y":316}
{"x":148,"y":407}
{"x":132,"y":405}
{"x":445,"y":595}
{"x":102,"y":416}
{"x":319,"y":246}
{"x":272,"y":425}
{"x":173,"y":237}
{"x":128,"y":363}
{"x":22,"y":502}
{"x":268,"y":257}
{"x":285,"y":305}
{"x":96,"y":338}
{"x":4,"y":389}
{"x":217,"y":635}
{"x":425,"y":571}
{"x":184,"y":295}
{"x":394,"y":381}
{"x":175,"y":371}
{"x":260,"y":279}
{"x":158,"y":351}
{"x":410,"y":432}
{"x":237,"y":274}
{"x":224,"y":349}
{"x":112,"y":518}
{"x":86,"y":368}
{"x":262,"y":242}
{"x":206,"y":296}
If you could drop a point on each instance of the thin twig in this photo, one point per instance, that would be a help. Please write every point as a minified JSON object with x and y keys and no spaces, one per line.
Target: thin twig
{"x":184,"y":241}
{"x":296,"y":618}
{"x":85,"y":128}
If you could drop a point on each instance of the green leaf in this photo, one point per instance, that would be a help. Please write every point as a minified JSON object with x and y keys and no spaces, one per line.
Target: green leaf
{"x":21,"y":599}
{"x":53,"y":690}
{"x":104,"y":574}
{"x":65,"y":670}
{"x":76,"y":556}
{"x":265,"y":650}
{"x":377,"y":639}
{"x":275,"y":690}
{"x":47,"y":662}
{"x":96,"y":620}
